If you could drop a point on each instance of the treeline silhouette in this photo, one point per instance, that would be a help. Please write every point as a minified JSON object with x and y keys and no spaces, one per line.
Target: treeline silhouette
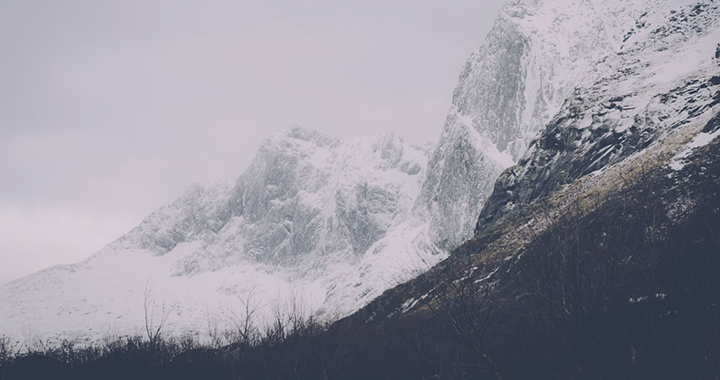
{"x":624,"y":287}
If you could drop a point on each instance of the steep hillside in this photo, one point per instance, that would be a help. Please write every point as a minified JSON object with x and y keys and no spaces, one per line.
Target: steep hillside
{"x":644,"y":118}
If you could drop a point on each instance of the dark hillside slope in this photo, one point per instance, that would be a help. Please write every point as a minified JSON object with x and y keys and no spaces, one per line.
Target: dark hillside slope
{"x":625,"y":286}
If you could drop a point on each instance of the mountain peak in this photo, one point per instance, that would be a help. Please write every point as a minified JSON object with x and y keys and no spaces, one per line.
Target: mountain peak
{"x":297,"y":132}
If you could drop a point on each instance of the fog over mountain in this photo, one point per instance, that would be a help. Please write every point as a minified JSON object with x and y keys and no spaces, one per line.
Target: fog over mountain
{"x":108,"y":110}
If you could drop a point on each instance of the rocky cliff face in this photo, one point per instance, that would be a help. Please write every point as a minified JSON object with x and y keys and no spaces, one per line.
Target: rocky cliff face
{"x":663,"y":78}
{"x":305,"y":197}
{"x":534,"y":57}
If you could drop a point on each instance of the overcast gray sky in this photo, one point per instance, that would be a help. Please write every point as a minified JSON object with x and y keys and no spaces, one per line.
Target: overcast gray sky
{"x":110,"y":109}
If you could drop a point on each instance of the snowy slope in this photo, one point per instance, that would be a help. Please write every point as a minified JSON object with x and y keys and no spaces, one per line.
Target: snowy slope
{"x":309,"y":220}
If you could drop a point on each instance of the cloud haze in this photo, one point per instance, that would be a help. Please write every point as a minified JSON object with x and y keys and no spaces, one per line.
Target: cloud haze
{"x":109,"y":109}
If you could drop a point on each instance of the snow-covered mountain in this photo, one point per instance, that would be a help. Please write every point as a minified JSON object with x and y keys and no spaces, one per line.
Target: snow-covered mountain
{"x":657,"y":93}
{"x":562,"y":88}
{"x":312,"y":218}
{"x":533,"y":58}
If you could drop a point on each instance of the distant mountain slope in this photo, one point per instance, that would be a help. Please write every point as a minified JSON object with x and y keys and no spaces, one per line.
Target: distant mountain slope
{"x":310,"y":220}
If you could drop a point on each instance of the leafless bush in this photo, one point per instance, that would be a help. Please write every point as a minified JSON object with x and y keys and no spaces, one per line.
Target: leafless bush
{"x":243,"y":318}
{"x":8,"y":350}
{"x":153,"y":323}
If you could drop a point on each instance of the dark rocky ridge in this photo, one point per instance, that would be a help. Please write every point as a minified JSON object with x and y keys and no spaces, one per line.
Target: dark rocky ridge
{"x":588,"y":134}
